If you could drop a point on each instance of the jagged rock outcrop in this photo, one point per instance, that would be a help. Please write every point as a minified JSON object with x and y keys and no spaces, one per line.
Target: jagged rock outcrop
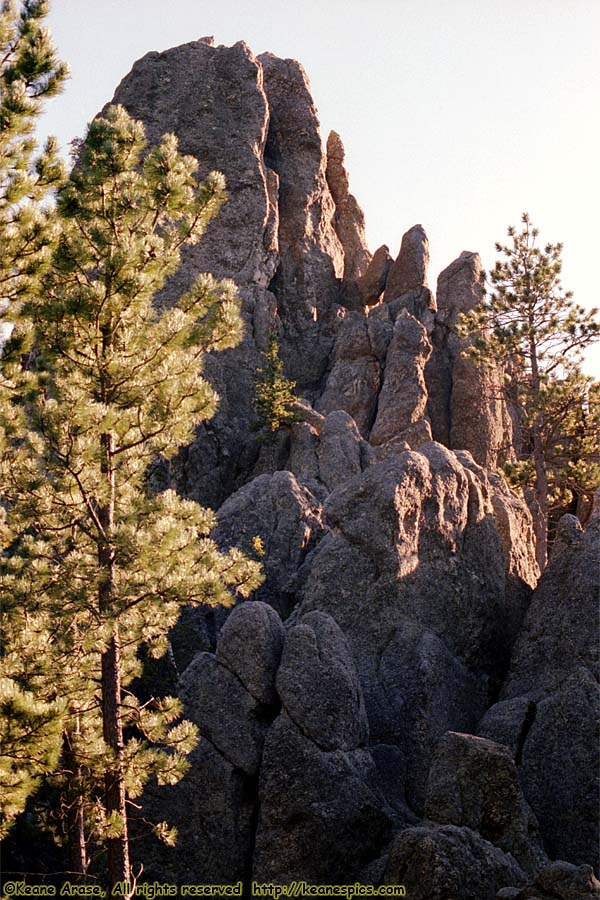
{"x":403,"y":396}
{"x":348,"y":220}
{"x":558,"y":881}
{"x":318,"y":784}
{"x":254,"y":119}
{"x":466,"y":405}
{"x":233,"y":700}
{"x":354,"y":381}
{"x":372,"y":284}
{"x":406,"y":282}
{"x":409,"y":271}
{"x":383,"y":709}
{"x":549,"y":708}
{"x":311,"y":256}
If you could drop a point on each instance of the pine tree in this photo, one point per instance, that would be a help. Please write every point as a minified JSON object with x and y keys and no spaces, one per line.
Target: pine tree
{"x":274,"y":398}
{"x":531,"y":327}
{"x":29,"y":74}
{"x":30,"y":727}
{"x":107,"y":561}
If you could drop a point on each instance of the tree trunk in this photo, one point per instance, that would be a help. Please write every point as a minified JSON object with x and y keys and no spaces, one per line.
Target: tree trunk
{"x":540,"y":487}
{"x":115,"y":798}
{"x":540,"y":511}
{"x":75,"y":829}
{"x":114,"y":782}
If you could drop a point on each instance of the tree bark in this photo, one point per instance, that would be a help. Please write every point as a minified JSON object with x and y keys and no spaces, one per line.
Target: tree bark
{"x":114,"y":782}
{"x":115,"y":798}
{"x":540,"y":493}
{"x":75,"y":825}
{"x":540,"y":487}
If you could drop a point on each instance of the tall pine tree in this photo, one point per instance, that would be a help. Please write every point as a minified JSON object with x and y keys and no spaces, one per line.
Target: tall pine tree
{"x":108,"y":561}
{"x":529,"y":325}
{"x":30,"y":73}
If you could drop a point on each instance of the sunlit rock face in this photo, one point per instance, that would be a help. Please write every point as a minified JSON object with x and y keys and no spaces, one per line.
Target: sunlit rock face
{"x":280,"y":236}
{"x":378,"y":709}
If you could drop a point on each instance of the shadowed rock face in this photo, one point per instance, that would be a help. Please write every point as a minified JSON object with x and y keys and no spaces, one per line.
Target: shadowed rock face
{"x":338,"y":707}
{"x":549,"y":709}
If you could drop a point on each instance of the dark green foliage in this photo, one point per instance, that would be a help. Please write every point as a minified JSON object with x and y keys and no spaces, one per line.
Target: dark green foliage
{"x":275,"y":398}
{"x":30,"y":720}
{"x":101,"y":562}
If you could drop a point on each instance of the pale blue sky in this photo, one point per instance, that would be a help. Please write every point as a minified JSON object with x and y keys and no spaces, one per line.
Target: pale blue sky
{"x":459,"y":115}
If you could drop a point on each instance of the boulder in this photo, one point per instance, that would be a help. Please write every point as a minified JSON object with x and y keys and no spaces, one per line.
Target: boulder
{"x":287,"y":519}
{"x":250,"y":646}
{"x":557,"y":881}
{"x":474,"y":782}
{"x":449,"y":863}
{"x":321,"y":816}
{"x":414,"y":573}
{"x":318,"y":684}
{"x":341,"y":452}
{"x":227,"y":714}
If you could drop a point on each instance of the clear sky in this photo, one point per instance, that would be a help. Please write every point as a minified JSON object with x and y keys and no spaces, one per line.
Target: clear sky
{"x":458,"y":114}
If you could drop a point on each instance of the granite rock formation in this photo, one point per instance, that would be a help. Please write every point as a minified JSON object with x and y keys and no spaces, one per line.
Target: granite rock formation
{"x":391,"y":706}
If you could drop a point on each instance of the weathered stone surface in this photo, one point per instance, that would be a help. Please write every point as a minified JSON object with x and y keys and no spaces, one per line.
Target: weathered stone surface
{"x":465,"y":406}
{"x":409,"y":271}
{"x":326,"y":457}
{"x":286,"y":516}
{"x":321,"y":814}
{"x":413,"y":572}
{"x":474,"y":782}
{"x":449,"y":862}
{"x":318,"y":684}
{"x":403,"y":396}
{"x":419,"y":302}
{"x":560,"y":880}
{"x":349,"y":220}
{"x":355,"y":378}
{"x":255,"y":120}
{"x":250,"y":646}
{"x":553,"y":644}
{"x":226,"y":713}
{"x":311,"y":257}
{"x":372,"y":284}
{"x":303,"y":460}
{"x":341,"y":453}
{"x":404,"y":576}
{"x":550,"y":703}
{"x":212,"y":98}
